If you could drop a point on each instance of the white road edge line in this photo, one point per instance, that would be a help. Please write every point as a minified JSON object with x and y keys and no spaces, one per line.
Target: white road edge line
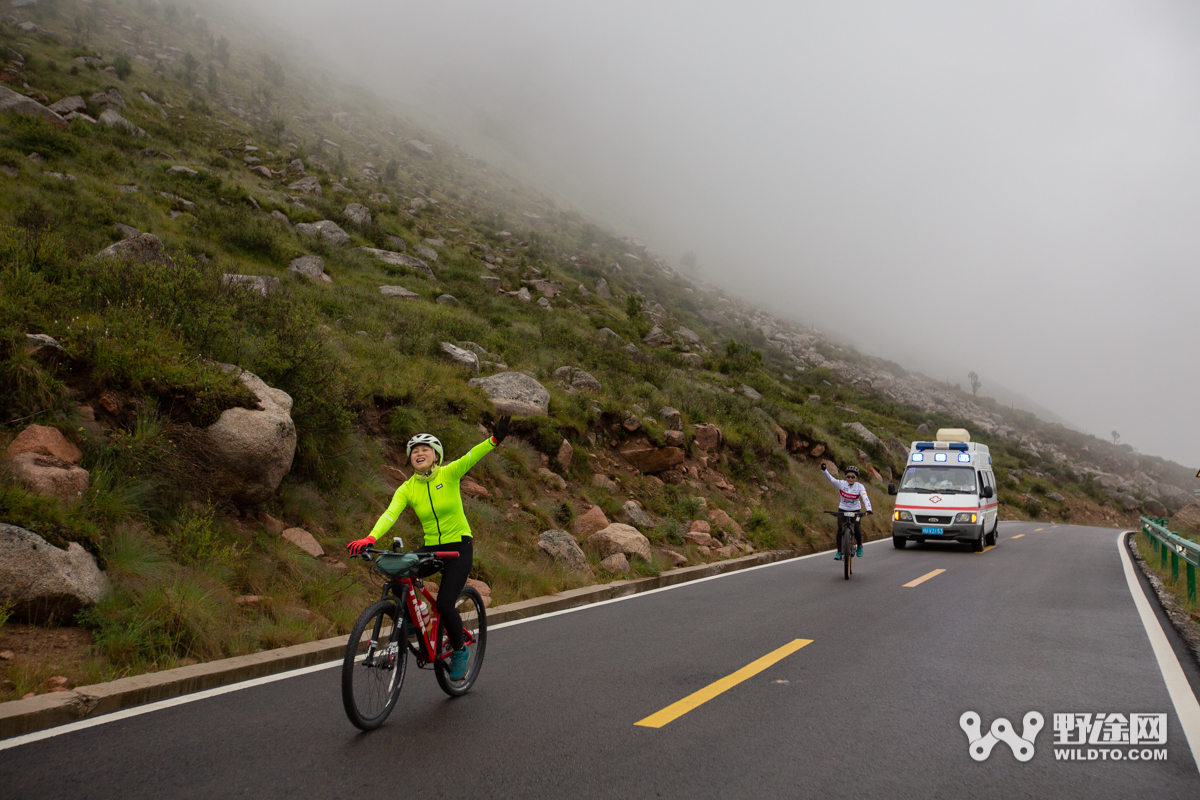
{"x":148,"y":708}
{"x":1187,"y":708}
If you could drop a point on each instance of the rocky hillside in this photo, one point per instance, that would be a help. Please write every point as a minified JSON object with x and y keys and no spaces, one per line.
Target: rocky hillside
{"x":231,"y":288}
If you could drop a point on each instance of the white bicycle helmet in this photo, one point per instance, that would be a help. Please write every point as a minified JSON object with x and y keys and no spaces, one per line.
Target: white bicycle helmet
{"x":850,"y":470}
{"x":426,"y":438}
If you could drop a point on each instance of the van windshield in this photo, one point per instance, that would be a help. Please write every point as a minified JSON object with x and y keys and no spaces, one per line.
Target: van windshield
{"x":939,"y":480}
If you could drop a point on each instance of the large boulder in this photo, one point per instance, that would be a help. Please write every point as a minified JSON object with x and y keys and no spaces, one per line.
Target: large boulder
{"x":110,"y":118}
{"x":1187,"y":520}
{"x":693,"y":360}
{"x":144,"y":248}
{"x":310,"y":186}
{"x":398,"y":291}
{"x":636,"y":515}
{"x":707,"y":437}
{"x":358,"y":214}
{"x":1151,"y":506}
{"x":1173,"y":497}
{"x":304,"y":540}
{"x":69,"y":105}
{"x":402,"y":260}
{"x":617,"y":564}
{"x":262,"y":285}
{"x":420,"y":148}
{"x":563,"y":549}
{"x":576,"y":378}
{"x":515,"y":393}
{"x":1128,"y":502}
{"x":326,"y":228}
{"x":862,"y":432}
{"x":50,"y":476}
{"x":425,"y":251}
{"x":602,"y":289}
{"x":671,"y":418}
{"x":656,"y":338}
{"x":649,"y":459}
{"x":589,"y":522}
{"x":15,"y":103}
{"x":619,"y":538}
{"x":45,"y":441}
{"x":461,"y":357}
{"x":252,"y":450}
{"x":44,"y":581}
{"x":311,"y":267}
{"x":750,"y":393}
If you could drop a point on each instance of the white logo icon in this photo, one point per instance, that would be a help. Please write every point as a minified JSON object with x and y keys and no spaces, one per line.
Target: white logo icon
{"x":1002,"y":731}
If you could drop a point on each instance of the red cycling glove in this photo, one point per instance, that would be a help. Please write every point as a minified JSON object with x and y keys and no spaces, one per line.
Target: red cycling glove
{"x":360,"y":546}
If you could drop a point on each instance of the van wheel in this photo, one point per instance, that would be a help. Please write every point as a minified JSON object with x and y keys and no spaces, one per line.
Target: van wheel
{"x":977,"y":545}
{"x":898,"y":542}
{"x":991,"y":538}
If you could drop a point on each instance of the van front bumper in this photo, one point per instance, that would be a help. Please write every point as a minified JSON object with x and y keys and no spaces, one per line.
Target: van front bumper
{"x":947,"y":533}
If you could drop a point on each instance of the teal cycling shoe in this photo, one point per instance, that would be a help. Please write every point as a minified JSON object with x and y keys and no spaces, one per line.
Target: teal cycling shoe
{"x":858,"y":553}
{"x":458,"y":664}
{"x":837,"y":556}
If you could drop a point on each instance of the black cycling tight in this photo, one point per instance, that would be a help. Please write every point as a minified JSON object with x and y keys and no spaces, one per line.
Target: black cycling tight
{"x":454,"y":578}
{"x":857,"y":535}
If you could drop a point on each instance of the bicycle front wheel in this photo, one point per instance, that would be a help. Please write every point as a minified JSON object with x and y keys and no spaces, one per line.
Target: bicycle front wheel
{"x":847,"y":550}
{"x":374,"y":666}
{"x":474,"y":618}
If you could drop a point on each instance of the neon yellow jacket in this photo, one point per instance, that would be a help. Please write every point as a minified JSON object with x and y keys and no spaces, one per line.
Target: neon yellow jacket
{"x":436,"y":499}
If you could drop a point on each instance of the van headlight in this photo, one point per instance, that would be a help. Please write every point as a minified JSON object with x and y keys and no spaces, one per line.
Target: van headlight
{"x":902,"y":516}
{"x":966,"y":517}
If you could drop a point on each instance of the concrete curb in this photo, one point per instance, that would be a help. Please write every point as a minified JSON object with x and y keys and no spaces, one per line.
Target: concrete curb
{"x":19,"y":717}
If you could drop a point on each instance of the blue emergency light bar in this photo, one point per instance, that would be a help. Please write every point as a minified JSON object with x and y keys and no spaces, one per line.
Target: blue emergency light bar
{"x":949,"y":445}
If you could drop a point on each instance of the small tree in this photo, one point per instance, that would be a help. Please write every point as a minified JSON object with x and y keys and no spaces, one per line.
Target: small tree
{"x":172,"y":14}
{"x":1116,"y":437}
{"x":191,"y":68}
{"x":223,"y":51}
{"x":975,"y":382}
{"x":123,"y":66}
{"x":211,"y":83}
{"x":391,"y":171}
{"x":633,"y":306}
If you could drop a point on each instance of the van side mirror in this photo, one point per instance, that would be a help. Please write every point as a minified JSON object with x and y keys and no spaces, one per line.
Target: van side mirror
{"x":988,"y":492}
{"x":891,"y":488}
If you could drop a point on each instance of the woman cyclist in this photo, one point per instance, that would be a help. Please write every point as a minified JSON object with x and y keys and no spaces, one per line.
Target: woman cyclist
{"x":433,"y":492}
{"x":852,"y":496}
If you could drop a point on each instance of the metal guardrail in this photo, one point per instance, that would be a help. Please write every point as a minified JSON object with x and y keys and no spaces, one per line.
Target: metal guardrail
{"x":1174,"y":547}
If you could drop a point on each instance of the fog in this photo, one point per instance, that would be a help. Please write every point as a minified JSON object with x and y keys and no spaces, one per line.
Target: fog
{"x":1006,"y":187}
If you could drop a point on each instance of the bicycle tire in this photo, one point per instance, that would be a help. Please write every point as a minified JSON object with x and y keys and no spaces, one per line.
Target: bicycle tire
{"x":370,"y":687}
{"x":470,"y":606}
{"x":847,"y":550}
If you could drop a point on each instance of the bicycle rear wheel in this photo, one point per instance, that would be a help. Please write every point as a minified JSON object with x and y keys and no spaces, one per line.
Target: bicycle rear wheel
{"x":374,"y":666}
{"x":470,"y":608}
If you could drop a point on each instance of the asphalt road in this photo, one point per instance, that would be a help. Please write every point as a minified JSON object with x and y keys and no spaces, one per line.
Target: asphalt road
{"x":870,"y":708}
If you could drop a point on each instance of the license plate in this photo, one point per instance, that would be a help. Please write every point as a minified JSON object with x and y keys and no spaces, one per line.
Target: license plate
{"x":931,"y":531}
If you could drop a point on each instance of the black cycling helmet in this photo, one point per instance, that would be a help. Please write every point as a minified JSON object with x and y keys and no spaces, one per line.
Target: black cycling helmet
{"x":852,"y":470}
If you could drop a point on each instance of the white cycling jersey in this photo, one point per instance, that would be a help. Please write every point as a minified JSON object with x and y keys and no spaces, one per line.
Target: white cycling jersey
{"x":853,"y":497}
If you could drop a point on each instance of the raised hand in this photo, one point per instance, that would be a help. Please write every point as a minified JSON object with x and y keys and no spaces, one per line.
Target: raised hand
{"x":500,"y":429}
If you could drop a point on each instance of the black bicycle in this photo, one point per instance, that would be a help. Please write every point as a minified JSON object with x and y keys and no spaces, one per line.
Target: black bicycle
{"x":846,"y":521}
{"x":405,"y":620}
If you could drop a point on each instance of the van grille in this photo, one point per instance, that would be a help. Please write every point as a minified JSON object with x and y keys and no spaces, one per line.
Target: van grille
{"x":933,"y":520}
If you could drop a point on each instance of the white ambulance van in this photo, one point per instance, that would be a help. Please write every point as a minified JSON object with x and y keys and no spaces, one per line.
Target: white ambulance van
{"x":947,"y":494}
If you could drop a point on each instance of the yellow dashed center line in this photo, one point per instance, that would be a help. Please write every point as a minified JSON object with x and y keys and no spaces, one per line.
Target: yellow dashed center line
{"x":696,"y":699}
{"x":923,"y":578}
{"x":1018,"y":536}
{"x":1035,"y":530}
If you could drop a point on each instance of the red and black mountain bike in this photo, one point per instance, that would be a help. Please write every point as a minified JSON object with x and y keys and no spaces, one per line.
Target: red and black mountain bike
{"x":405,"y":620}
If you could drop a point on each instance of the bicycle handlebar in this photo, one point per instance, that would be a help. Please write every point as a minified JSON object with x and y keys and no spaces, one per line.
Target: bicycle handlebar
{"x":439,"y":555}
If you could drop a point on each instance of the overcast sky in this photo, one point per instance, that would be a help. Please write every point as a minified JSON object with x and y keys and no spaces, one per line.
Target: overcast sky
{"x":1011,"y":187}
